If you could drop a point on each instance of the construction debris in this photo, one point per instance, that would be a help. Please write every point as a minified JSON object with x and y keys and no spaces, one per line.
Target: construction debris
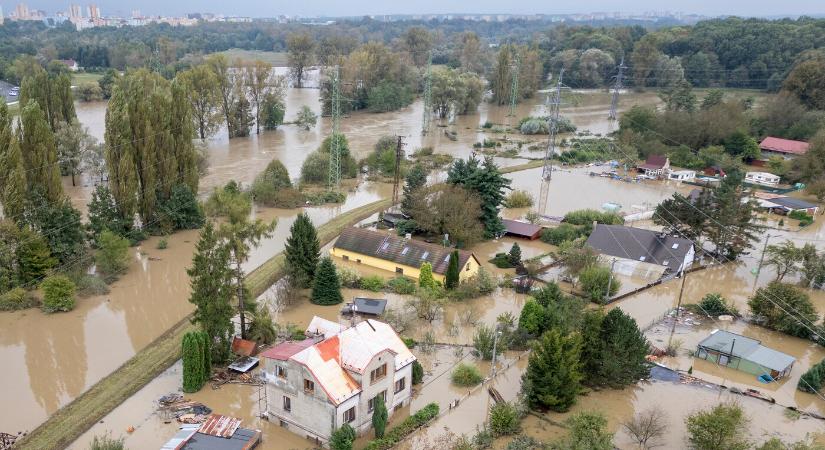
{"x":222,"y":377}
{"x":7,"y":440}
{"x":174,"y":406}
{"x":220,"y":426}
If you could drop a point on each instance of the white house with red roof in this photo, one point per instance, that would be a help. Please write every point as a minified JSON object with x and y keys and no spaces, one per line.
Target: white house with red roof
{"x":785,"y":148}
{"x":333,"y":377}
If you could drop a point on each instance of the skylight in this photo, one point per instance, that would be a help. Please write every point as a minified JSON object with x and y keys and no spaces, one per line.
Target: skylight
{"x":675,"y":246}
{"x":425,"y":255}
{"x":405,"y":250}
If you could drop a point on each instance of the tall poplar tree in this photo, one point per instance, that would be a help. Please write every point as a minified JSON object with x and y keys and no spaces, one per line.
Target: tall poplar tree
{"x":224,"y":87}
{"x":258,"y":83}
{"x":39,"y":151}
{"x":54,"y":94}
{"x":12,"y":169}
{"x":211,"y":280}
{"x":302,"y":251}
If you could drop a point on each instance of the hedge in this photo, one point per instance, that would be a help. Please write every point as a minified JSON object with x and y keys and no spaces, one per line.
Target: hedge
{"x":405,"y":428}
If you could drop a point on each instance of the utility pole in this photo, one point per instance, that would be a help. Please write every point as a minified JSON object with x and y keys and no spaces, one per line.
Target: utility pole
{"x":515,"y":68}
{"x":399,"y":155}
{"x":761,"y":260}
{"x":609,"y":282}
{"x":678,"y":307}
{"x":334,"y":151}
{"x":428,"y":96}
{"x":495,"y":343}
{"x":614,"y":102}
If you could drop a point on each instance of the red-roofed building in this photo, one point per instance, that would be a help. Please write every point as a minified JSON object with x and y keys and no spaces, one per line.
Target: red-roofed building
{"x":786,"y":148}
{"x":655,"y":166}
{"x":522,"y":229}
{"x":335,"y":376}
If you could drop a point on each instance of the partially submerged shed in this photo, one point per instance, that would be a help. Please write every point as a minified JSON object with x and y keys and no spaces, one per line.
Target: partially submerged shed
{"x":520,"y":229}
{"x":745,"y":354}
{"x":369,"y":306}
{"x":216,"y":433}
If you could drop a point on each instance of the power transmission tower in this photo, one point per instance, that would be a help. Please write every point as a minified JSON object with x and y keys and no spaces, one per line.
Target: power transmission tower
{"x":428,"y":96}
{"x":334,"y":151}
{"x":514,"y":69}
{"x":399,"y":156}
{"x":614,"y":102}
{"x":553,"y":110}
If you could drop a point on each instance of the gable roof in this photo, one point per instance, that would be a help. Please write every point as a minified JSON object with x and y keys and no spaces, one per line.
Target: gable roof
{"x":639,"y":245}
{"x":780,"y":145}
{"x":747,"y":348}
{"x":654,"y":162}
{"x":408,"y":252}
{"x":285,"y":350}
{"x":351,"y":349}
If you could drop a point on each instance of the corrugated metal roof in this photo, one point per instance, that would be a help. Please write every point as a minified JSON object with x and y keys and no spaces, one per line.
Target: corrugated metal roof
{"x":747,"y":348}
{"x":243,"y":347}
{"x":220,"y":426}
{"x":408,"y":252}
{"x":792,"y":203}
{"x":179,"y":439}
{"x":285,"y":350}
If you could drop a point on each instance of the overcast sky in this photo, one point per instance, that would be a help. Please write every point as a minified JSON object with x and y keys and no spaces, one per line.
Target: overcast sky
{"x":271,"y":8}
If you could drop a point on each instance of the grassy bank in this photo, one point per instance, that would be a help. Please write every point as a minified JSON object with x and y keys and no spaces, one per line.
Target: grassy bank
{"x":69,"y":422}
{"x":276,"y":59}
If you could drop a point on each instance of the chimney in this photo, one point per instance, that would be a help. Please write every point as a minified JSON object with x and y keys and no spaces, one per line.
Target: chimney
{"x":408,"y":236}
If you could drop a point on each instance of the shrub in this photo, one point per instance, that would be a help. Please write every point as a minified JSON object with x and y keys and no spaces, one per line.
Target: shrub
{"x":342,"y":438}
{"x":466,"y":375}
{"x":112,"y":254}
{"x":804,"y":218}
{"x":405,"y":428}
{"x":563,"y":233}
{"x":487,"y":124}
{"x":417,"y":372}
{"x":272,"y":187}
{"x":813,"y":380}
{"x":519,"y":199}
{"x":58,"y":293}
{"x":324,"y":197}
{"x":483,"y":342}
{"x":502,"y":261}
{"x":523,"y":442}
{"x":594,"y":281}
{"x":163,"y":244}
{"x":181,"y":211}
{"x":715,"y":305}
{"x":106,"y":442}
{"x":504,"y":419}
{"x":408,"y":341}
{"x":88,"y":285}
{"x":372,"y":283}
{"x":401,"y":285}
{"x":15,"y":299}
{"x":588,"y":216}
{"x":349,"y":278}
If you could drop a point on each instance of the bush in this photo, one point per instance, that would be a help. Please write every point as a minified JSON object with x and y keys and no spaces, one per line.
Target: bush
{"x":408,"y":342}
{"x":342,"y":438}
{"x":112,"y":255}
{"x":417,"y":372}
{"x":538,"y":125}
{"x":466,"y":375}
{"x":565,"y":232}
{"x":716,"y":305}
{"x":502,"y":261}
{"x":88,"y":285}
{"x":15,"y":299}
{"x":58,"y":293}
{"x":594,"y":281}
{"x":372,"y":283}
{"x":504,"y":419}
{"x":405,"y":428}
{"x":401,"y":285}
{"x":324,"y":197}
{"x":804,"y":218}
{"x":813,"y":380}
{"x":519,"y":199}
{"x":181,"y":211}
{"x":523,"y":442}
{"x":487,"y":125}
{"x":89,"y":91}
{"x":483,"y":342}
{"x":163,"y":244}
{"x":480,"y":284}
{"x":349,"y":278}
{"x":229,"y":201}
{"x":588,"y":216}
{"x":272,"y":187}
{"x":106,"y":442}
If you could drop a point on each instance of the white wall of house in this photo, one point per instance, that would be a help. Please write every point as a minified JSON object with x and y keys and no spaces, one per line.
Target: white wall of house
{"x":371,"y":389}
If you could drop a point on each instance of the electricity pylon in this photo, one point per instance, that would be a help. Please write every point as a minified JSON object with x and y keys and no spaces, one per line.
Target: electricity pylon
{"x":428,"y":96}
{"x":334,"y":150}
{"x":514,"y":68}
{"x":614,"y":102}
{"x":553,"y":107}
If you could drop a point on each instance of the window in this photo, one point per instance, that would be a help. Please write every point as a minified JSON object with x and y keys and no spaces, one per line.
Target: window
{"x":399,"y":270}
{"x":345,"y":257}
{"x":425,"y":255}
{"x":280,"y":372}
{"x":642,"y":258}
{"x":666,"y":263}
{"x":385,"y":245}
{"x":675,"y":246}
{"x":309,"y":386}
{"x":447,"y":258}
{"x":405,"y":250}
{"x":378,"y":373}
{"x":400,"y":384}
{"x":349,"y":415}
{"x":371,"y":403}
{"x":287,"y":404}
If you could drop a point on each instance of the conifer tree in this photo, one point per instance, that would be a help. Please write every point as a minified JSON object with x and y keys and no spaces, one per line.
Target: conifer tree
{"x":452,"y":276}
{"x":33,"y":256}
{"x":206,"y":355}
{"x":425,"y":278}
{"x":39,"y":152}
{"x":211,"y":280}
{"x":326,"y":289}
{"x":553,"y":376}
{"x":302,"y":251}
{"x":488,"y":183}
{"x":192,"y":353}
{"x":379,"y":416}
{"x":416,"y":178}
{"x":622,"y":349}
{"x":59,"y":223}
{"x":515,"y":254}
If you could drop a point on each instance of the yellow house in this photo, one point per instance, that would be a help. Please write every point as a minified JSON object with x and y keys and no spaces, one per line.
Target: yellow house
{"x":400,"y":255}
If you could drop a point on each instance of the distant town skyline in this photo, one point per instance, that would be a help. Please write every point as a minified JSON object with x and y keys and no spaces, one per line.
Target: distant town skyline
{"x":314,"y":8}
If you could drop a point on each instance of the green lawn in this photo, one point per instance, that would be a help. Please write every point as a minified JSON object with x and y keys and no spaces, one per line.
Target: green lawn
{"x":84,"y":77}
{"x":277,"y":59}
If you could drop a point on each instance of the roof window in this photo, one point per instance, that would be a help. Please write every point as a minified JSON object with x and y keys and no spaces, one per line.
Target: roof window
{"x":405,"y":250}
{"x":642,"y":258}
{"x":675,"y":246}
{"x":425,"y":255}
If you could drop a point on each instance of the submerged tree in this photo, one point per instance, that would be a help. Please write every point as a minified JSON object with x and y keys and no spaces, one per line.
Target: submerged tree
{"x":553,"y":377}
{"x":302,"y":251}
{"x":326,"y":287}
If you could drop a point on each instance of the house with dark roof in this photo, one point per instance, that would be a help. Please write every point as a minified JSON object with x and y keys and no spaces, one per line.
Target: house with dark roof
{"x":787,"y":205}
{"x":655,"y":166}
{"x":784,"y":148}
{"x":400,"y":255}
{"x":336,"y":376}
{"x":520,"y":229}
{"x":745,"y":354}
{"x":636,"y":247}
